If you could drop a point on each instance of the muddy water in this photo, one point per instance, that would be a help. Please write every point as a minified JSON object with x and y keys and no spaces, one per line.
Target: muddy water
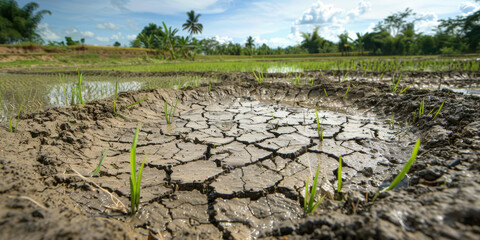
{"x":233,"y":164}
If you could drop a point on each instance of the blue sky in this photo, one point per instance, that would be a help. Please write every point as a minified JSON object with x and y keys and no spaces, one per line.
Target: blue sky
{"x":274,"y":22}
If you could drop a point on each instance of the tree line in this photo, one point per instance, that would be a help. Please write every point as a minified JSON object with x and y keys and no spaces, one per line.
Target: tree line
{"x":394,"y":35}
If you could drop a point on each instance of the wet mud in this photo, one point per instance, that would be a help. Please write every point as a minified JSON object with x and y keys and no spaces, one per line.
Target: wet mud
{"x":233,"y":165}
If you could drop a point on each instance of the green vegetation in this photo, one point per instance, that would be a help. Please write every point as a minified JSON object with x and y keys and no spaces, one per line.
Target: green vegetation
{"x":403,"y":172}
{"x":79,"y":89}
{"x":135,"y":179}
{"x":10,"y":125}
{"x":346,"y":92}
{"x":319,"y":128}
{"x":169,"y":115}
{"x":440,"y":108}
{"x":309,"y":202}
{"x":259,"y":78}
{"x":339,"y":177}
{"x":97,"y":170}
{"x":19,"y":24}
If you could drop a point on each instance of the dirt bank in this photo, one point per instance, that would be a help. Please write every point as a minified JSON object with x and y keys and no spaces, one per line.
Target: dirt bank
{"x":233,"y":165}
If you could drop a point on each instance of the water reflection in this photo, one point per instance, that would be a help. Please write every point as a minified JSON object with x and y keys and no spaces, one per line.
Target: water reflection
{"x":37,"y":92}
{"x":284,"y":69}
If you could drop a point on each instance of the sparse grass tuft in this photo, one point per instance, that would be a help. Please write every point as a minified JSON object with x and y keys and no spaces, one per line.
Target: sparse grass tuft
{"x":258,"y":77}
{"x":309,"y":203}
{"x":135,"y":178}
{"x":169,"y":115}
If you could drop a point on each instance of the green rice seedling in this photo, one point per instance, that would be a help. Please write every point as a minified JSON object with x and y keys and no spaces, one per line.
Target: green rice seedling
{"x":346,"y":92}
{"x":259,"y":78}
{"x":393,"y":122}
{"x":297,"y":79}
{"x":440,"y":108}
{"x":339,"y":178}
{"x":309,"y":203}
{"x":344,"y":77}
{"x":10,"y":124}
{"x":405,"y":89}
{"x":421,"y":110}
{"x":97,"y":170}
{"x":395,"y":86}
{"x":319,"y":128}
{"x":135,"y":103}
{"x":169,"y":115}
{"x":404,"y":171}
{"x":325,"y":91}
{"x":381,"y":76}
{"x":135,"y":178}
{"x":79,"y":88}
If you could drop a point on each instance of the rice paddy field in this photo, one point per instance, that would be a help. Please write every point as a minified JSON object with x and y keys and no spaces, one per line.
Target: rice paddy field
{"x":241,"y":148}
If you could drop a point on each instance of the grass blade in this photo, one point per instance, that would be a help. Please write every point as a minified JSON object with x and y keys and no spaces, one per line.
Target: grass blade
{"x":440,"y":108}
{"x":405,"y":168}
{"x":339,"y":175}
{"x":100,"y":164}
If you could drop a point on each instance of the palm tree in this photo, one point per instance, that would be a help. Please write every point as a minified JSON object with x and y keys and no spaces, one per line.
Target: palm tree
{"x":312,"y":41}
{"x":168,"y":40}
{"x":250,"y":45}
{"x":192,"y":23}
{"x":344,"y":44}
{"x":19,"y":24}
{"x":359,"y":42}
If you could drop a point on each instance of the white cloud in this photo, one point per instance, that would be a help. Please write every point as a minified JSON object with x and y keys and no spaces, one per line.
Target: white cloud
{"x":88,"y":34}
{"x":102,"y":39}
{"x":131,"y":37}
{"x":223,"y":39}
{"x":107,"y":26}
{"x":169,"y":7}
{"x":323,"y":14}
{"x":468,"y":8}
{"x":116,"y":37}
{"x":428,"y":21}
{"x":331,"y":20}
{"x":132,"y":25}
{"x":46,"y":32}
{"x":75,"y":34}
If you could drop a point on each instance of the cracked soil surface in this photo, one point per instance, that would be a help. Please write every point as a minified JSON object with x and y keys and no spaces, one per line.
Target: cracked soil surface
{"x":233,"y":165}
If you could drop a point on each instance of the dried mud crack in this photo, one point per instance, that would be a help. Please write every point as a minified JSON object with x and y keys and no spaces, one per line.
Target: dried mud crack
{"x":233,"y":165}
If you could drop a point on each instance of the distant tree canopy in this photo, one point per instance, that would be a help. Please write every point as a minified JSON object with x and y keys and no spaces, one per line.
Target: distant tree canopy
{"x":19,"y":24}
{"x":394,"y":35}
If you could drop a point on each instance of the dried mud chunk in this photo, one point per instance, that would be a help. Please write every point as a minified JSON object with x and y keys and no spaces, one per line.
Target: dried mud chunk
{"x":437,"y":136}
{"x":229,"y":185}
{"x":359,"y":161}
{"x":258,"y":179}
{"x":205,"y":138}
{"x":276,"y":164}
{"x":253,"y":137}
{"x":195,"y":172}
{"x":190,"y":152}
{"x":238,"y":154}
{"x":330,"y":147}
{"x":186,"y":229}
{"x":295,"y":141}
{"x":472,"y":130}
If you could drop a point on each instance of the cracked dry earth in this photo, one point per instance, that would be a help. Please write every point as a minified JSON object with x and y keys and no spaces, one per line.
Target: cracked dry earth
{"x":233,"y":165}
